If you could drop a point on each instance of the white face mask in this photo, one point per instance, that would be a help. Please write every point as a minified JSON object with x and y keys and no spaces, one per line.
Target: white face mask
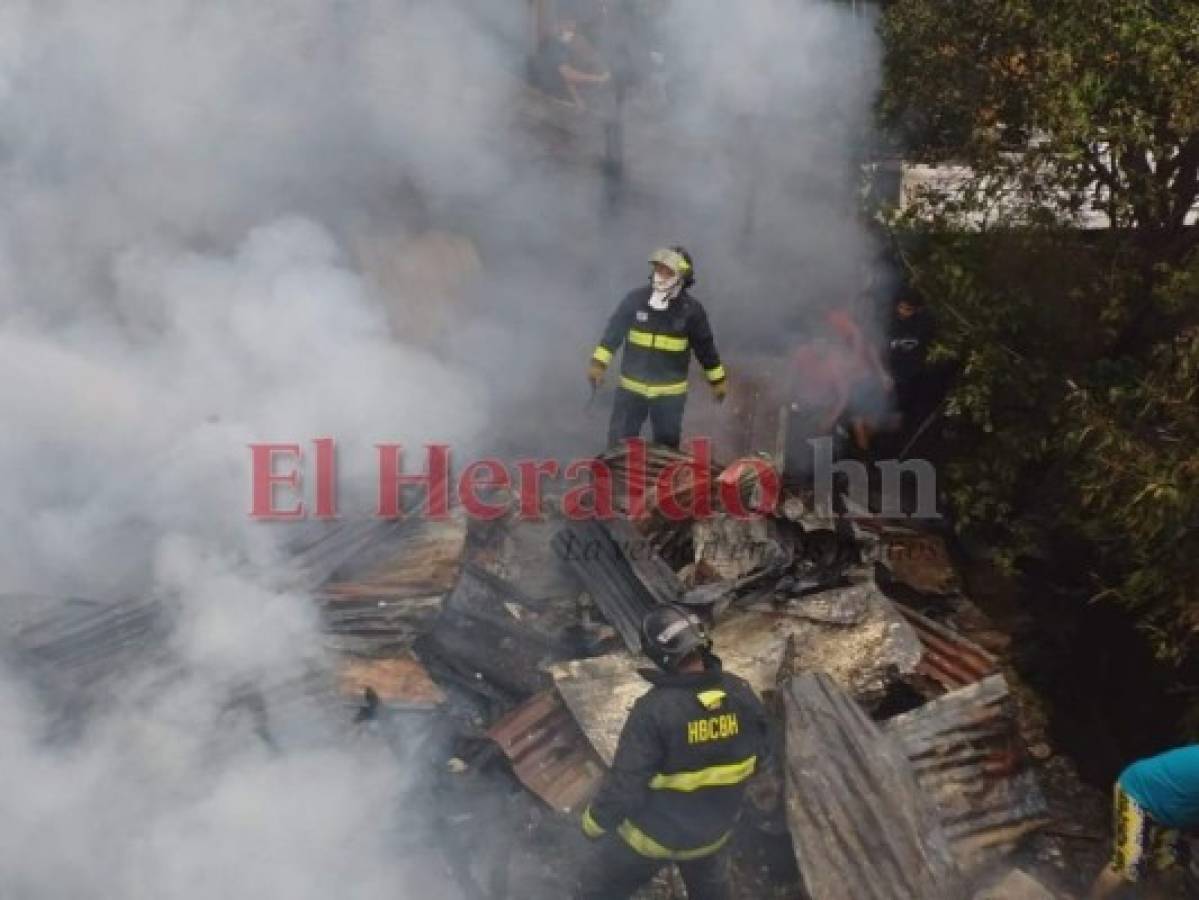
{"x":664,"y":283}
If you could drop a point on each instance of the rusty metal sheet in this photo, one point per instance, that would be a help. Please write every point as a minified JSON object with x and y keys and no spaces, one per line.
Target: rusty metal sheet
{"x":548,"y":752}
{"x":969,"y":757}
{"x":681,"y":490}
{"x":400,"y":681}
{"x":950,"y":659}
{"x":657,"y":460}
{"x":382,"y":583}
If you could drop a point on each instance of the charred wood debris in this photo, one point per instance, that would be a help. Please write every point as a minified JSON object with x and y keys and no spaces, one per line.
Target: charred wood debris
{"x":501,"y":659}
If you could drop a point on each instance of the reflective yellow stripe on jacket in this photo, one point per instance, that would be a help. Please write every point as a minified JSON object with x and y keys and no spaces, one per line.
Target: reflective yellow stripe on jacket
{"x":713,"y":776}
{"x":591,"y":828}
{"x":653,"y":390}
{"x":716,"y":373}
{"x":647,"y":846}
{"x":602,"y":354}
{"x":653,"y":341}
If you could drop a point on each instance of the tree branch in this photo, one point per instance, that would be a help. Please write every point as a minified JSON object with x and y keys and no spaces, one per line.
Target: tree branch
{"x":1185,"y":187}
{"x":1107,"y":177}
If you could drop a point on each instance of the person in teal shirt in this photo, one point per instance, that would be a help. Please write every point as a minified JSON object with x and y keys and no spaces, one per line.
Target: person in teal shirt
{"x":1156,"y":800}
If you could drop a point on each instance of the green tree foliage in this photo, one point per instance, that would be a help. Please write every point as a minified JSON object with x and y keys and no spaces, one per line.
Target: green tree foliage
{"x":1076,"y":408}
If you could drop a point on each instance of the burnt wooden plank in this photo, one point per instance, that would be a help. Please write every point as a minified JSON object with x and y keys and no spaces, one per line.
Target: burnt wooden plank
{"x":861,"y":826}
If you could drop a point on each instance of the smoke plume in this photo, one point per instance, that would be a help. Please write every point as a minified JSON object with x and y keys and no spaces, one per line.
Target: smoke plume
{"x":232,"y":222}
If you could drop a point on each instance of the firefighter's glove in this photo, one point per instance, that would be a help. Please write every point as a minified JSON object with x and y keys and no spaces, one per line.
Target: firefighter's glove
{"x":595,"y":373}
{"x":720,"y":390}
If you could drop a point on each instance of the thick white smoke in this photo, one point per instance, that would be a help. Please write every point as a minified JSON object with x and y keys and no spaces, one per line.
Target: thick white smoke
{"x":186,"y":188}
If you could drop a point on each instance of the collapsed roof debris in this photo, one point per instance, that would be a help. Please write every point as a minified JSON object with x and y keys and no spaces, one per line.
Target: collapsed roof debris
{"x":401,"y":682}
{"x":969,"y":757}
{"x":624,"y":465}
{"x":75,"y":649}
{"x":522,"y":554}
{"x":916,"y":559}
{"x":860,"y":823}
{"x":727,"y":549}
{"x":548,"y":752}
{"x":600,"y":693}
{"x":518,"y":643}
{"x":950,"y":661}
{"x":621,"y":572}
{"x":487,"y":632}
{"x":855,"y":634}
{"x":670,"y":536}
{"x":86,"y":656}
{"x":381,"y":582}
{"x":797,"y":611}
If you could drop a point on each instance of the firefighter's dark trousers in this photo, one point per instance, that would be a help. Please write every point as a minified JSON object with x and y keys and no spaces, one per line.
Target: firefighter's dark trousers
{"x":616,"y":871}
{"x":630,"y":410}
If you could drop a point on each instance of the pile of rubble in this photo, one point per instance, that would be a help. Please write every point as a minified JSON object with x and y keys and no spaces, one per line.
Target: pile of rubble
{"x":905,"y":774}
{"x":509,"y":650}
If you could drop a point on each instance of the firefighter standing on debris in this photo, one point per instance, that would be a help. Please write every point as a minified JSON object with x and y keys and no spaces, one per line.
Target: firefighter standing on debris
{"x":686,"y":753}
{"x":660,"y":325}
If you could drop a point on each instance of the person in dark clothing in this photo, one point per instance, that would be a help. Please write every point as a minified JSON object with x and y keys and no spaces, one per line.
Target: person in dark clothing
{"x":566,"y":62}
{"x":911,"y":334}
{"x":660,"y":326}
{"x":685,"y":756}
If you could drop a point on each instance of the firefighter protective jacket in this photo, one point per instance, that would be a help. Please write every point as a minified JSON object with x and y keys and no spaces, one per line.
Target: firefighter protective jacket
{"x":685,"y":755}
{"x":658,"y":344}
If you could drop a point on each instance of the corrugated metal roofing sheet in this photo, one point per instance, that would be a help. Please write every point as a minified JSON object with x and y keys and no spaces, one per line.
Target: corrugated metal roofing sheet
{"x":969,"y":757}
{"x":951,"y":660}
{"x":402,"y":681}
{"x":72,"y":647}
{"x":382,"y":582}
{"x":682,"y":487}
{"x":548,"y":752}
{"x":860,"y":824}
{"x":620,"y":570}
{"x":657,"y":460}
